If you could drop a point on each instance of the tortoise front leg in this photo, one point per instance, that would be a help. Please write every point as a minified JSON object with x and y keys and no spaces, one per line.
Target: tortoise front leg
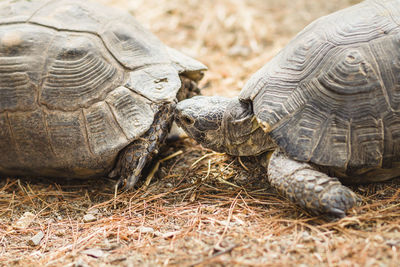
{"x":131,"y":163}
{"x":134,"y":158}
{"x":311,"y":189}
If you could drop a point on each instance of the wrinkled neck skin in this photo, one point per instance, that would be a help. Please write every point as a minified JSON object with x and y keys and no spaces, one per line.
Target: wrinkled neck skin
{"x":223,"y":125}
{"x":243,"y":135}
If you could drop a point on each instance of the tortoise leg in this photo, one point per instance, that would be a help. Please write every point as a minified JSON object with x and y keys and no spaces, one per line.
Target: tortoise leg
{"x":131,"y":163}
{"x":306,"y":186}
{"x":135,"y":157}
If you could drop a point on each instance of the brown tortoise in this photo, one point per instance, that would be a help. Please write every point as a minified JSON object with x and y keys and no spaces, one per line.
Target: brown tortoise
{"x":80,"y":84}
{"x":327,"y":104}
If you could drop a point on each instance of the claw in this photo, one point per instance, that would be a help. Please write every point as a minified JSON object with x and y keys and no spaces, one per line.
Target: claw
{"x":131,"y":181}
{"x":120,"y":183}
{"x":133,"y":175}
{"x":113,"y":173}
{"x":337,"y":200}
{"x":335,"y":213}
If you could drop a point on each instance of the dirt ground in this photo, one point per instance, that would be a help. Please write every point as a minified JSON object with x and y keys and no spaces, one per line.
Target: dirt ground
{"x":201,"y":208}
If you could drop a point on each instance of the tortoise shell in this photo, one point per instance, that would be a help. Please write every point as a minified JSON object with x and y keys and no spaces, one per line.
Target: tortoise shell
{"x":332,"y":95}
{"x":78,"y":82}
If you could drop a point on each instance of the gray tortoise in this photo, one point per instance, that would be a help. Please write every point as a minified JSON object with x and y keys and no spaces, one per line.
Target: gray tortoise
{"x":80,"y":84}
{"x":328,"y":105}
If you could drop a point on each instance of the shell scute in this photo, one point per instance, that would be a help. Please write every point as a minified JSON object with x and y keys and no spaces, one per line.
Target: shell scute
{"x":330,"y":97}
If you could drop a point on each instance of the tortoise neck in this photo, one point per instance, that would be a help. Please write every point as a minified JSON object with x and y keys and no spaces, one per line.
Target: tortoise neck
{"x":243,"y":135}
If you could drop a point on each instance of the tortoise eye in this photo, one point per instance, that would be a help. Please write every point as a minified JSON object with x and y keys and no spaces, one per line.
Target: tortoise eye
{"x":187,"y":120}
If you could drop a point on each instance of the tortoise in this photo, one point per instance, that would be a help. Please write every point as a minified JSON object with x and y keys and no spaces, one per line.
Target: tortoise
{"x":324,"y":110}
{"x":85,"y":90}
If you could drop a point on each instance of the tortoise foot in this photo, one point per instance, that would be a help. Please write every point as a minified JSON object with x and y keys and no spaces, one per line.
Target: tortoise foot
{"x":130,"y":165}
{"x":311,"y":189}
{"x":335,"y":201}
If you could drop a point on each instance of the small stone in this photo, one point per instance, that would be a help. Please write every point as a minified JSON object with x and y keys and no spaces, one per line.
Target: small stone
{"x":25,"y":220}
{"x":94,"y":252}
{"x":93,"y":211}
{"x":35,"y":240}
{"x":146,"y":230}
{"x":89,"y":218}
{"x":166,"y":235}
{"x":170,"y":234}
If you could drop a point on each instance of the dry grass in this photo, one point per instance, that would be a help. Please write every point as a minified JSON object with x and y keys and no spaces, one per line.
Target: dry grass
{"x":202,"y":208}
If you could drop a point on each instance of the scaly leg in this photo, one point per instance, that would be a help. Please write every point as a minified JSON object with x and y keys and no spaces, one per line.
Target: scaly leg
{"x":306,"y":186}
{"x":134,"y":158}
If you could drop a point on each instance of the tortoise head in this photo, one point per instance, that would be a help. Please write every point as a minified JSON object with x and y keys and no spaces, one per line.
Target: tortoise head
{"x":223,"y":125}
{"x":201,"y":118}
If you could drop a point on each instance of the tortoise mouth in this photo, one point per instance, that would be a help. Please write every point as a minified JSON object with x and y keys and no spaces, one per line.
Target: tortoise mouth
{"x":183,"y":120}
{"x":178,"y":118}
{"x":181,"y":116}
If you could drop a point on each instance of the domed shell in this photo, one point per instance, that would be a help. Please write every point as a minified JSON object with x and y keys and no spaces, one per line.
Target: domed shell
{"x":332,"y":95}
{"x":78,"y":82}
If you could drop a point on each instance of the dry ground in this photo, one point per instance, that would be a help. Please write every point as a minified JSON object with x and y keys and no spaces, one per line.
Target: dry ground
{"x":202,"y":208}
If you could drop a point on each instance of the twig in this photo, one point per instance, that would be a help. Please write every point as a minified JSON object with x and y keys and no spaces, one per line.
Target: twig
{"x":242,"y":164}
{"x":203,"y":157}
{"x":156,"y":166}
